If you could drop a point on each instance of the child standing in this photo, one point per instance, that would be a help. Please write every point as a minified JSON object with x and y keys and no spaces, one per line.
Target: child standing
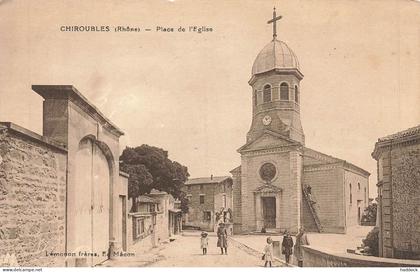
{"x":268,"y":252}
{"x":204,"y":242}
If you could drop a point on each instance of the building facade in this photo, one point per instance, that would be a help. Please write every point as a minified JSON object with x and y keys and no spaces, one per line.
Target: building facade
{"x":210,"y":200}
{"x":62,"y":193}
{"x":398,"y":162}
{"x":153,"y":219}
{"x":282,"y":184}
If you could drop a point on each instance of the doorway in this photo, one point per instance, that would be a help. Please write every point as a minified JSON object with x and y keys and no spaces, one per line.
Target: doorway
{"x":269,"y":212}
{"x":359,"y":211}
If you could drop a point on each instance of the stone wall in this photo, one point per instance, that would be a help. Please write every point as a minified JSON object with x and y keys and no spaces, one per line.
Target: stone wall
{"x":406,"y":201}
{"x":317,"y":258}
{"x":32,"y":197}
{"x":400,"y":202}
{"x":398,"y":159}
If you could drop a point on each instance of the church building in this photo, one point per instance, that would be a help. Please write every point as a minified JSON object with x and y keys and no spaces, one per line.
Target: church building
{"x":281,"y":184}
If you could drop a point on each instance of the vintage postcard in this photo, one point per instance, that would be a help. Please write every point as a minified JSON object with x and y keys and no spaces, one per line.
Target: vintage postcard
{"x":180,"y":133}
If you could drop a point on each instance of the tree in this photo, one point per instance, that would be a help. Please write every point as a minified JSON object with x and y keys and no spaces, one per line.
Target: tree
{"x":369,"y":215}
{"x":150,"y":168}
{"x":184,"y":202}
{"x":140,"y":180}
{"x":372,"y":242}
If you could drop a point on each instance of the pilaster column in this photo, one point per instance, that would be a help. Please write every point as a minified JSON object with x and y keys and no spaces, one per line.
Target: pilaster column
{"x":278,"y":217}
{"x":258,"y":212}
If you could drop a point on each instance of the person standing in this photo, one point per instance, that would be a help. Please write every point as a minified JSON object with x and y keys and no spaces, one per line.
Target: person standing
{"x":204,"y":242}
{"x":287,"y":246}
{"x":268,"y":252}
{"x":222,"y":238}
{"x":301,"y":240}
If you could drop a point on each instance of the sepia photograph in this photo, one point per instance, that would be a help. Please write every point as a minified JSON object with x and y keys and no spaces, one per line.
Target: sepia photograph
{"x":213,"y":134}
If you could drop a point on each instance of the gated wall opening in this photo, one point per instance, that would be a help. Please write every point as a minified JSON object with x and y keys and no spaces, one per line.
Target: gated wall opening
{"x":90,"y":204}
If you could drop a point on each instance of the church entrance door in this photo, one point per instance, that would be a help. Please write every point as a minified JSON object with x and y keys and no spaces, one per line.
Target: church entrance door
{"x":269,"y":212}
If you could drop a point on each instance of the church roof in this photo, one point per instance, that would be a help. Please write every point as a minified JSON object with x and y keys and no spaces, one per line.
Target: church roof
{"x":275,"y":55}
{"x":206,"y":180}
{"x":323,"y":158}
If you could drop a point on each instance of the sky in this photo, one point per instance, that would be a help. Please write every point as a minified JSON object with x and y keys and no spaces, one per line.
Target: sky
{"x":188,"y":92}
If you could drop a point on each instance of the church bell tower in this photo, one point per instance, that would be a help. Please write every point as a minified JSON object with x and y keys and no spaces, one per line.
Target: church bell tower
{"x":275,"y":83}
{"x":271,"y":160}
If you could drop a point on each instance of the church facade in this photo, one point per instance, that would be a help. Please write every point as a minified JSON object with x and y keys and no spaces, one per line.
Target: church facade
{"x":281,"y":184}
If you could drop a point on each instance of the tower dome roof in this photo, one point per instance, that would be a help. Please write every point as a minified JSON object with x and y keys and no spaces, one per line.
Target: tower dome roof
{"x":275,"y":55}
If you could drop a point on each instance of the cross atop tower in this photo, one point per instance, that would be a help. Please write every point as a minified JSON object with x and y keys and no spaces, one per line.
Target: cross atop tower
{"x":274,"y":20}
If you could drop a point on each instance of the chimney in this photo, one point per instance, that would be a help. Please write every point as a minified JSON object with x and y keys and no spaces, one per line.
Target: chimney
{"x":211,"y":177}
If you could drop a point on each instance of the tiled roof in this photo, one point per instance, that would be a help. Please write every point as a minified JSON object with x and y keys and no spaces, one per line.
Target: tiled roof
{"x":206,"y":180}
{"x":330,"y":159}
{"x":319,"y":155}
{"x":401,"y":134}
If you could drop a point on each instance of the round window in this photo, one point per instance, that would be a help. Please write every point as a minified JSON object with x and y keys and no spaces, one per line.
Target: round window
{"x":267,"y":171}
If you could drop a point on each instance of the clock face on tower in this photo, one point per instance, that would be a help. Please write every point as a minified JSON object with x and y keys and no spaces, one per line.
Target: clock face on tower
{"x":266,"y":120}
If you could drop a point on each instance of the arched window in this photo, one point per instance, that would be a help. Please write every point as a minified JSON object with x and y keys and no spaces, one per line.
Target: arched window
{"x":267,"y":93}
{"x":296,"y":94}
{"x":284,"y":91}
{"x":351,"y":195}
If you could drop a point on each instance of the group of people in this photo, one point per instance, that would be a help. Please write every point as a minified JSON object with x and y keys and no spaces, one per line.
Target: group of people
{"x":221,"y":239}
{"x":287,"y":246}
